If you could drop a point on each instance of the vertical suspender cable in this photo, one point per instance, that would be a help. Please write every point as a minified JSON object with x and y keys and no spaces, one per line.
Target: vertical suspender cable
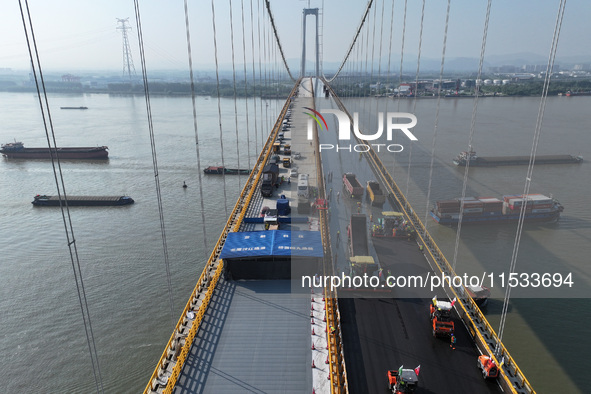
{"x":437,"y":111}
{"x":217,"y":77}
{"x":234,"y":90}
{"x":245,"y":85}
{"x":154,"y":157}
{"x":61,"y":189}
{"x":472,"y":128}
{"x":254,"y":78}
{"x":532,"y":159}
{"x":414,"y":103}
{"x":400,"y":73}
{"x":390,"y":44}
{"x":199,"y":174}
{"x":261,"y":119}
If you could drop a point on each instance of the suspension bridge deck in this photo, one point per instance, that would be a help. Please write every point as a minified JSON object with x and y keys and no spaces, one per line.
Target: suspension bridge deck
{"x":255,"y":335}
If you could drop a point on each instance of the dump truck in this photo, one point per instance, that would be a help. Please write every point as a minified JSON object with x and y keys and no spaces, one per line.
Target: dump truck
{"x":488,"y":367}
{"x":269,"y":179}
{"x":403,"y":380}
{"x":441,"y":321}
{"x":287,"y":149}
{"x":286,"y":162}
{"x":376,"y":195}
{"x":352,"y":185}
{"x":357,"y":235}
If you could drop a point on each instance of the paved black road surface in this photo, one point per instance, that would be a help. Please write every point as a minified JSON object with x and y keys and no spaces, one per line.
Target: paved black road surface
{"x":382,"y":334}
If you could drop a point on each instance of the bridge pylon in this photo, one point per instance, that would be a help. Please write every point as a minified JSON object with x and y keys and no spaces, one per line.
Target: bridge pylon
{"x":306,"y":12}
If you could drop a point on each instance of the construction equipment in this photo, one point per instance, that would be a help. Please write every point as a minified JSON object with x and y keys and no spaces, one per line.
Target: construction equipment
{"x":488,"y":367}
{"x":376,"y":195}
{"x":352,"y":185}
{"x":286,"y":162}
{"x":403,"y":380}
{"x":441,"y":317}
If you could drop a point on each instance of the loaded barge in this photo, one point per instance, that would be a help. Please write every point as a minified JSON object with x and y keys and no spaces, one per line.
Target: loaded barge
{"x":476,"y":161}
{"x":493,"y":210}
{"x":227,"y":171}
{"x":92,"y":201}
{"x":17,"y":150}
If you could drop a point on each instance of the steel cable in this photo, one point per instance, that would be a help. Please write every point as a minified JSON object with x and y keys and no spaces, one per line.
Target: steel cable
{"x":472,"y":129}
{"x":217,"y":78}
{"x":154,"y":157}
{"x":437,"y":111}
{"x":194,"y":106}
{"x":530,"y":168}
{"x":61,"y":190}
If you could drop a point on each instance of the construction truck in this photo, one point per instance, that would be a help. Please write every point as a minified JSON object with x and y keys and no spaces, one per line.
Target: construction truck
{"x":488,"y":367}
{"x":403,"y":380}
{"x":352,"y":185}
{"x":376,"y":195}
{"x":441,"y":317}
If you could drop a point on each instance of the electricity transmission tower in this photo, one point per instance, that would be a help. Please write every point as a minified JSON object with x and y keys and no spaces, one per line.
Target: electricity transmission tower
{"x":128,"y":68}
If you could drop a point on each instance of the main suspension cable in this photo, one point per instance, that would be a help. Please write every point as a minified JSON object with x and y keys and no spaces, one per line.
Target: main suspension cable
{"x":367,"y":8}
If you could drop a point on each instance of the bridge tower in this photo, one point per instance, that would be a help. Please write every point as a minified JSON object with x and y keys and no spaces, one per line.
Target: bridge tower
{"x":310,"y":11}
{"x":128,"y":68}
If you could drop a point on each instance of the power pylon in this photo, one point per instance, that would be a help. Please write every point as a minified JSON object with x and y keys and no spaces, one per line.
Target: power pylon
{"x":128,"y":68}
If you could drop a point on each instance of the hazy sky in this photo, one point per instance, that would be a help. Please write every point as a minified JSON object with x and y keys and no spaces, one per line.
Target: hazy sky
{"x":78,"y":35}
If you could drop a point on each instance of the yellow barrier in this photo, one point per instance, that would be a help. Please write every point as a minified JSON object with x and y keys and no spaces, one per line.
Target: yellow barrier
{"x":337,"y":370}
{"x":242,"y":206}
{"x":412,"y":217}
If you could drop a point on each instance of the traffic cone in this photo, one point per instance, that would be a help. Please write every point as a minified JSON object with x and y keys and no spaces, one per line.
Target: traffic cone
{"x":312,"y":320}
{"x":326,"y":362}
{"x":312,"y":299}
{"x":313,"y":331}
{"x":312,"y":308}
{"x":312,"y":313}
{"x":313,"y":366}
{"x":324,"y":319}
{"x":313,"y":347}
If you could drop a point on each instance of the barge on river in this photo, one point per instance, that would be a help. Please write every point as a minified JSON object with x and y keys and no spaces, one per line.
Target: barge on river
{"x":476,"y":161}
{"x":17,"y":150}
{"x":537,"y":207}
{"x":92,"y":201}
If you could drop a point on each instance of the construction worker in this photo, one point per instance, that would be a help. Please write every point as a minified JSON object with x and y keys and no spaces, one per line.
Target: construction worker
{"x":421,"y":248}
{"x":332,"y":329}
{"x":452,"y":340}
{"x":338,"y":235}
{"x":338,"y":196}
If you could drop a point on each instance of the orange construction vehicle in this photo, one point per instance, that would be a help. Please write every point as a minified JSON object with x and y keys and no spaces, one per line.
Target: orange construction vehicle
{"x":441,"y":317}
{"x":488,"y":367}
{"x":403,"y":380}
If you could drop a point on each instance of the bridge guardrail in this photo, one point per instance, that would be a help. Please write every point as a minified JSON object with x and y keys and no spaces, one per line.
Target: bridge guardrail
{"x":336,"y":358}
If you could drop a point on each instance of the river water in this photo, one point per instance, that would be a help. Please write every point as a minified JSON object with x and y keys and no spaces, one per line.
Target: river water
{"x":42,"y":342}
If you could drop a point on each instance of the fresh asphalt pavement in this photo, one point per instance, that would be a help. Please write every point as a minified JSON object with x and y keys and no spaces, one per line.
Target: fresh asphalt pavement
{"x":385,"y":333}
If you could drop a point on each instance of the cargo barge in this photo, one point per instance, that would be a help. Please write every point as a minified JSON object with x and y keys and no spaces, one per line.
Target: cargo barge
{"x":476,"y":161}
{"x":91,"y":201}
{"x":17,"y":150}
{"x":211,"y":170}
{"x":493,"y":210}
